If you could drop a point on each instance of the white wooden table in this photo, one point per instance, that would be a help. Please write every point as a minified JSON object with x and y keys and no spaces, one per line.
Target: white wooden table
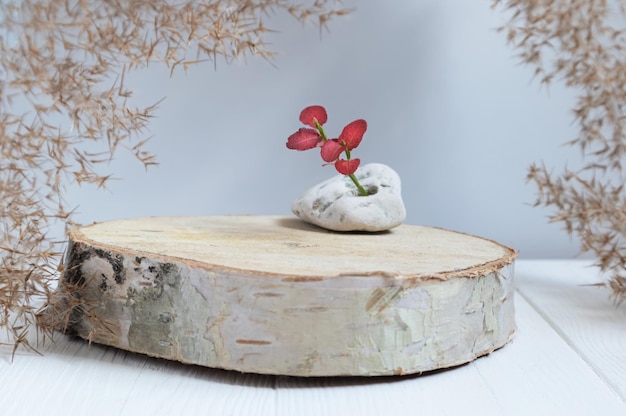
{"x":568,"y":358}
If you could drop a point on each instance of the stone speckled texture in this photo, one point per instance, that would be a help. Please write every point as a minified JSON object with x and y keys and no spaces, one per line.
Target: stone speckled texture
{"x":336,"y":205}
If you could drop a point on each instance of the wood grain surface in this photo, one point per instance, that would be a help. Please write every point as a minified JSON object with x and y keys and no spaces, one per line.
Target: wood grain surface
{"x":288,"y":246}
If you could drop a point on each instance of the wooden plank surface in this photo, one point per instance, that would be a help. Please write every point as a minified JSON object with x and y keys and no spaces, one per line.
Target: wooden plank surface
{"x":545,"y":370}
{"x":565,"y":295}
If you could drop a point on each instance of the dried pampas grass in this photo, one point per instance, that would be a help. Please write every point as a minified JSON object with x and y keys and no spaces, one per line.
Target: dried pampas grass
{"x":583,"y":44}
{"x":65,"y":111}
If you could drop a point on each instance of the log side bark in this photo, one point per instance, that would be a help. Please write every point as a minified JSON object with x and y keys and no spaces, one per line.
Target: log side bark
{"x":275,"y":295}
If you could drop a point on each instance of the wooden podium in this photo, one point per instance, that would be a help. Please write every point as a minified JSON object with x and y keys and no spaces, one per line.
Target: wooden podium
{"x":275,"y":295}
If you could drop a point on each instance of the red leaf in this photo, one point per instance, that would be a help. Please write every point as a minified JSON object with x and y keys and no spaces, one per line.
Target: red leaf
{"x":304,"y":139}
{"x":331,"y":150}
{"x":353,"y":133}
{"x":347,"y":167}
{"x":312,"y":113}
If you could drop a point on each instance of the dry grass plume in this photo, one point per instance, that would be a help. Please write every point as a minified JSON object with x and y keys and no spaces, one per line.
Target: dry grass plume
{"x":65,"y":110}
{"x":582,"y":43}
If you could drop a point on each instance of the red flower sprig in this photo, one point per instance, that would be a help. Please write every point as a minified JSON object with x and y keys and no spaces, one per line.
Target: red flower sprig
{"x":350,"y":138}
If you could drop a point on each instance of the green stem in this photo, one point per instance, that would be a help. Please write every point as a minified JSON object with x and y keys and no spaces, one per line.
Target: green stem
{"x":362,"y":190}
{"x":321,"y":130}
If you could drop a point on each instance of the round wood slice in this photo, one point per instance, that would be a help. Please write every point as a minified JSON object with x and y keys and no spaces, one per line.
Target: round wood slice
{"x":275,"y":295}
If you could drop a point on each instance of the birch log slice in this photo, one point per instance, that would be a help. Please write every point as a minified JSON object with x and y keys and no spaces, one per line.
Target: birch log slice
{"x":275,"y":295}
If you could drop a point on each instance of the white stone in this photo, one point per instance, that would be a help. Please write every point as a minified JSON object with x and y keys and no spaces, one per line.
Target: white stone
{"x":336,"y":205}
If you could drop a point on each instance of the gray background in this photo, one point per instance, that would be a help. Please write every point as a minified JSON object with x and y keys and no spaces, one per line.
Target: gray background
{"x":448,"y":107}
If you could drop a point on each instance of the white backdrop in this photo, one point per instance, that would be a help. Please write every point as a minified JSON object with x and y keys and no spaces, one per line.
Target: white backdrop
{"x":447,"y":104}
